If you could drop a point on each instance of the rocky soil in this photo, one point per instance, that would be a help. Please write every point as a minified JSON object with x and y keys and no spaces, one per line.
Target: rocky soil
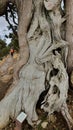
{"x":6,"y":73}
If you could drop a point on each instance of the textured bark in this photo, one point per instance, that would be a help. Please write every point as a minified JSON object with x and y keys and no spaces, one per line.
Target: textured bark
{"x":3,"y":4}
{"x":24,"y":19}
{"x":44,"y":69}
{"x":69,"y":32}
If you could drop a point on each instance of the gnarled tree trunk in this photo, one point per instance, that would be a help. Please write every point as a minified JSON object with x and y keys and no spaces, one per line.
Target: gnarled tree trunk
{"x":69,"y":32}
{"x":44,"y":69}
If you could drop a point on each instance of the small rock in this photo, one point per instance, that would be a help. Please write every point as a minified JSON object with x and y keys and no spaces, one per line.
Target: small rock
{"x":44,"y":124}
{"x":10,"y":70}
{"x":6,"y":78}
{"x":52,"y":118}
{"x":16,"y":57}
{"x":38,"y":122}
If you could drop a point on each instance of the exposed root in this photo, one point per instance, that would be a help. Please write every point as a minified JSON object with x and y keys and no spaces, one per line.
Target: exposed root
{"x":68,"y":118}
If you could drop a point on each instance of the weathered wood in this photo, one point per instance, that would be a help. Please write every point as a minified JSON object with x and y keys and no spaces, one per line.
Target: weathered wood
{"x":47,"y":60}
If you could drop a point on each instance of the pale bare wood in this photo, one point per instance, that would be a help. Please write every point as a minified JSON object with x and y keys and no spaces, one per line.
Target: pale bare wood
{"x":44,"y":58}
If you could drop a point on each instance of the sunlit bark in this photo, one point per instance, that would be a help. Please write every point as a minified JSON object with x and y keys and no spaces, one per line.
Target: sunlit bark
{"x":39,"y":34}
{"x":69,"y":32}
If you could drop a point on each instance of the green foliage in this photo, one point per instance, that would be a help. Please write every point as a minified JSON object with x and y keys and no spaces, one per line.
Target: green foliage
{"x":2,"y":44}
{"x":4,"y":50}
{"x":14,"y":42}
